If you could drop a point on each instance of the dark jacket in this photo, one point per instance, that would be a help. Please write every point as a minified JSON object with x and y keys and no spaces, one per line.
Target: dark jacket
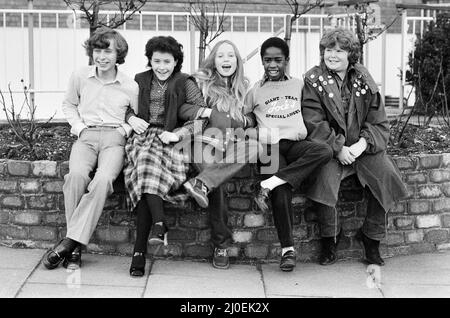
{"x":325,"y":120}
{"x":177,"y":111}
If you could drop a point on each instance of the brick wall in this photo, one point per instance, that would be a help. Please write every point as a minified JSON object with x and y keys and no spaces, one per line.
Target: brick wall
{"x":32,"y":214}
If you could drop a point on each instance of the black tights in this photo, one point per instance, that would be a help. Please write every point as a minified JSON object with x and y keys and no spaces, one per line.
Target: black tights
{"x":149,"y":211}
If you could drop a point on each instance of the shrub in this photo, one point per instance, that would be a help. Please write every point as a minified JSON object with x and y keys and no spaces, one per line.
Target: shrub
{"x":430,"y":68}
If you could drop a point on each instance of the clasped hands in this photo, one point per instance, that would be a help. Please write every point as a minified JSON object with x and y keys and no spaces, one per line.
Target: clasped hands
{"x":139,"y":126}
{"x":348,"y":155}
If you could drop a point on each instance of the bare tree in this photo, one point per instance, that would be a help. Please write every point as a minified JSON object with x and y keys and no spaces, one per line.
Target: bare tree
{"x":91,"y":8}
{"x":368,"y":26}
{"x":209,"y":19}
{"x":298,"y":9}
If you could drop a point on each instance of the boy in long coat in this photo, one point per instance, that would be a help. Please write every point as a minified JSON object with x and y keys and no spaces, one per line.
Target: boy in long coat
{"x":343,"y":108}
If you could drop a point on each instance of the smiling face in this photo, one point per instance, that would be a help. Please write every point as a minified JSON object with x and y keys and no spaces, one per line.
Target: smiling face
{"x":225,"y":60}
{"x":105,"y":59}
{"x":336,"y":59}
{"x":163,"y":65}
{"x":274,"y":63}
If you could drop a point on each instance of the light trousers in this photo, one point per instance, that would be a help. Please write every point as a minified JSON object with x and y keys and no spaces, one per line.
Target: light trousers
{"x":102,"y":147}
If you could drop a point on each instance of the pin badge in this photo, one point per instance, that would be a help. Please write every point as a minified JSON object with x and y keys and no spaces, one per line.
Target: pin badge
{"x":330,"y":95}
{"x":320,"y":78}
{"x":355,"y":85}
{"x":314,"y":84}
{"x":331,"y":81}
{"x":320,"y":88}
{"x":363,"y":91}
{"x":357,"y":94}
{"x":312,"y":76}
{"x":324,"y":83}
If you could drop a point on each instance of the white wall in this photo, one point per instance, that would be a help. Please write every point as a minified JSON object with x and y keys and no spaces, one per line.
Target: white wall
{"x":59,"y":51}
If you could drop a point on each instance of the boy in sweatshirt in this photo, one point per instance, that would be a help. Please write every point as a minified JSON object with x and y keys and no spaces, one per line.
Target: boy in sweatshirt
{"x":275,"y":101}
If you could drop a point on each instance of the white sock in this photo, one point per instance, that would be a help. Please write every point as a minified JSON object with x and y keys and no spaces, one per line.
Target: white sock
{"x":272,"y":183}
{"x":285,"y":249}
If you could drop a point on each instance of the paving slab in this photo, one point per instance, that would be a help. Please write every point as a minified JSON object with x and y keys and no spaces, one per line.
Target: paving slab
{"x":179,"y":279}
{"x":11,"y":281}
{"x":40,"y":290}
{"x":342,"y":279}
{"x":11,"y":258}
{"x":98,"y":270}
{"x":423,"y":275}
{"x":393,"y":290}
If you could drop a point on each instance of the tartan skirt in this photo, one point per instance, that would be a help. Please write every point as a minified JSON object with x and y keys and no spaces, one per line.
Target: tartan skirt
{"x":153,"y":167}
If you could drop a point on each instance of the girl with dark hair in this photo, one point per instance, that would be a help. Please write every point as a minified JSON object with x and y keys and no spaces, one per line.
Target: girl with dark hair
{"x":343,"y":108}
{"x":154,"y":168}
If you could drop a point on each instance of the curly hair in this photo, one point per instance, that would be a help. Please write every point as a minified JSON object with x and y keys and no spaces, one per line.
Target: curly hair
{"x":165,"y":44}
{"x":101,"y":40}
{"x":227,"y":99}
{"x":347,"y":41}
{"x":275,"y":42}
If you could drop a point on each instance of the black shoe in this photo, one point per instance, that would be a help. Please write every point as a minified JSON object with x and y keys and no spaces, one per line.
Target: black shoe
{"x":287,"y":262}
{"x":58,"y":253}
{"x":73,"y":260}
{"x":371,"y":249}
{"x":328,"y":252}
{"x":262,"y":199}
{"x":197,"y":190}
{"x":220,"y":258}
{"x":159,"y":235}
{"x":137,"y":268}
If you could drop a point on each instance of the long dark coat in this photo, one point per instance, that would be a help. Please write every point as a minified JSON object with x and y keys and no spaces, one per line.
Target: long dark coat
{"x":324,"y":116}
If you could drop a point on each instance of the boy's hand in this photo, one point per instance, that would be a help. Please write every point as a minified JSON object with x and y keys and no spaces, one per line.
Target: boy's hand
{"x":122,"y":131}
{"x":345,"y":157}
{"x":358,"y":147}
{"x":138,"y":124}
{"x":167,"y":137}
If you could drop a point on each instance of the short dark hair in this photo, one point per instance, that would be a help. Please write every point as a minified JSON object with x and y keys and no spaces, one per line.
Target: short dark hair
{"x":165,"y":44}
{"x":347,"y":41}
{"x":275,"y":42}
{"x":101,"y":40}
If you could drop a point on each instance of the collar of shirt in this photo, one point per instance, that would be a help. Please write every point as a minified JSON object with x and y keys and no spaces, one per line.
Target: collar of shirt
{"x":265,"y":79}
{"x":93,"y":73}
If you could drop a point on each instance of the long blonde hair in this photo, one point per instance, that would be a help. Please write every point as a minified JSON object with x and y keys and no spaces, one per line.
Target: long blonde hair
{"x":215,"y":89}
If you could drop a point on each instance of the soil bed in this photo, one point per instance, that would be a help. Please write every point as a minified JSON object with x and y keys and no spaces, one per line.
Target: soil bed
{"x":54,"y":142}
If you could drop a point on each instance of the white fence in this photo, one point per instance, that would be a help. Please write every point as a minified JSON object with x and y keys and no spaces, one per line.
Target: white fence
{"x":57,"y":38}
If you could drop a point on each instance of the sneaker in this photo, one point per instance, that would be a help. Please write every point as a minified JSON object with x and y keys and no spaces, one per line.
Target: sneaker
{"x":197,"y":190}
{"x":220,"y":258}
{"x":262,"y":199}
{"x":159,"y":235}
{"x":73,"y":260}
{"x":287,"y":262}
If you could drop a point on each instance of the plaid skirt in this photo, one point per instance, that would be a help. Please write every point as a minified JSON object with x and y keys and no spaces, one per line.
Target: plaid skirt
{"x":153,"y":167}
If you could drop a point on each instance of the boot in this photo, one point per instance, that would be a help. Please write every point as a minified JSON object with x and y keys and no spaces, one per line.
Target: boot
{"x":371,"y":249}
{"x":328,"y":253}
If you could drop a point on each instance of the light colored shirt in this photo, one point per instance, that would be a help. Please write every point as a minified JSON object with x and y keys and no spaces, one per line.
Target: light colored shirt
{"x":91,"y":102}
{"x":277,"y":108}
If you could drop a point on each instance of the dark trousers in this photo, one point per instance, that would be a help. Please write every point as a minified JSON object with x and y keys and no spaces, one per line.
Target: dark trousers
{"x":297,"y":160}
{"x":374,"y":225}
{"x":221,"y":234}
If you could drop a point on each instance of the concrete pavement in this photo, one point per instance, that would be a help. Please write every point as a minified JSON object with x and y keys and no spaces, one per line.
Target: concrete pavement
{"x":23,"y":276}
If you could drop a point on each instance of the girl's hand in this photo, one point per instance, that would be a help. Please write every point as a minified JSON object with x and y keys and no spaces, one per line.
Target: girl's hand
{"x":138,"y":124}
{"x":167,"y":137}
